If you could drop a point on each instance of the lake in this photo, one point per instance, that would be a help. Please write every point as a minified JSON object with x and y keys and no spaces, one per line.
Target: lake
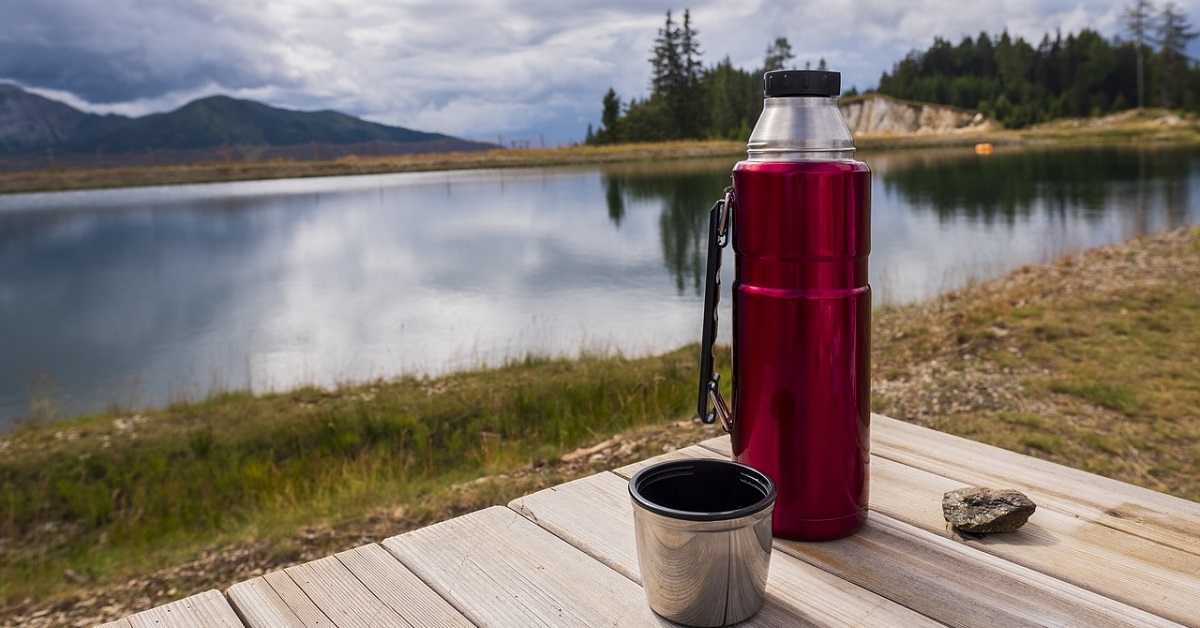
{"x":136,"y":298}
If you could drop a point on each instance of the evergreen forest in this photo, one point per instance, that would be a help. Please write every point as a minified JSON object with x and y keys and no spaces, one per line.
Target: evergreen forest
{"x":1005,"y":77}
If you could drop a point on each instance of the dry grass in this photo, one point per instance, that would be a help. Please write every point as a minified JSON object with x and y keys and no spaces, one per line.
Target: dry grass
{"x":78,"y":178}
{"x":1146,"y":125}
{"x":1090,"y":361}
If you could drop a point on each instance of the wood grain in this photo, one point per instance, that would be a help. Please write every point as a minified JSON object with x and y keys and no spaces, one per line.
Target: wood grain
{"x":958,"y":585}
{"x":203,"y":610}
{"x":1127,"y":568}
{"x":500,"y":569}
{"x":1152,"y":515}
{"x":595,"y":515}
{"x":397,"y":587}
{"x":341,"y":596}
{"x":261,"y":605}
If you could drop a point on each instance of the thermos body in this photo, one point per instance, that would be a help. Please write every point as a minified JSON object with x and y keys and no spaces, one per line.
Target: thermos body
{"x":799,"y":217}
{"x":801,"y":339}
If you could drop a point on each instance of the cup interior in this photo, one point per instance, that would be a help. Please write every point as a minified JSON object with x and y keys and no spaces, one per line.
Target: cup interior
{"x":702,"y":489}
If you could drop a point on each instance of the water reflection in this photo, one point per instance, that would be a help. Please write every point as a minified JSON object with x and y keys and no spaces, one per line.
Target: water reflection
{"x":139,"y":297}
{"x":1011,"y":184}
{"x":685,"y":191}
{"x":945,"y":218}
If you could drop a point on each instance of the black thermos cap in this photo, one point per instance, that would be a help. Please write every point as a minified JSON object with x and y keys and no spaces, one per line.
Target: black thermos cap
{"x":802,"y":83}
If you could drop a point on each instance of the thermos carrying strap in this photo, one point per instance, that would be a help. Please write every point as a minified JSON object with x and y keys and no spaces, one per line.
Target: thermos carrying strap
{"x":710,"y":380}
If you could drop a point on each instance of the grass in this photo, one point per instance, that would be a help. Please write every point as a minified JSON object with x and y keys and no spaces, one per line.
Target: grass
{"x":80,"y":178}
{"x":1135,"y":126}
{"x":108,"y":496}
{"x":1090,"y":361}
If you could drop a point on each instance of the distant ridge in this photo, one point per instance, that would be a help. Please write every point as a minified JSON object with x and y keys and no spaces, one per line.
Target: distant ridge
{"x":39,"y":131}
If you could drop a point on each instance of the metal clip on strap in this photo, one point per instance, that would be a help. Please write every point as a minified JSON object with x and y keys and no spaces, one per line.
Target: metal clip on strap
{"x":710,"y":381}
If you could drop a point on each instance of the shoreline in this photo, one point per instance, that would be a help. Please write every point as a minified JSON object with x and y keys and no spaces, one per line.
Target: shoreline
{"x":1130,"y":128}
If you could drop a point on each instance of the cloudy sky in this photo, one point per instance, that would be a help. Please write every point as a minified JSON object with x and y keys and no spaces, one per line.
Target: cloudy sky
{"x":480,"y":69}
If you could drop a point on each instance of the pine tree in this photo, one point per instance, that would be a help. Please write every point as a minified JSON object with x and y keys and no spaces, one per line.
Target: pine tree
{"x":778,"y":54}
{"x":666,"y":64}
{"x":1137,"y":20}
{"x":610,"y":121}
{"x":690,"y":105}
{"x":676,"y":79}
{"x":1173,"y":34}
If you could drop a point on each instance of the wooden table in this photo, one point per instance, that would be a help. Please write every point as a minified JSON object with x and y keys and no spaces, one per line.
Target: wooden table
{"x":1096,"y":553}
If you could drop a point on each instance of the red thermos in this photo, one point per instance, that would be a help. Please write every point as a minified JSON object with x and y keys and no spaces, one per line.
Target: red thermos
{"x":799,"y":215}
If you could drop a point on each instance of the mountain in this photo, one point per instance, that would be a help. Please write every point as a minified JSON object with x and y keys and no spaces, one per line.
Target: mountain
{"x":223,"y":121}
{"x":29,"y":122}
{"x":32,"y":125}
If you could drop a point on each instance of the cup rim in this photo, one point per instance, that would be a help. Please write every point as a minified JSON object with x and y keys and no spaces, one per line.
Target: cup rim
{"x":757,"y":478}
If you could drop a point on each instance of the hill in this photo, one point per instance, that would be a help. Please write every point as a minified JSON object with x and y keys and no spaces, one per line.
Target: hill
{"x":32,"y":127}
{"x":223,"y":121}
{"x":31,"y":123}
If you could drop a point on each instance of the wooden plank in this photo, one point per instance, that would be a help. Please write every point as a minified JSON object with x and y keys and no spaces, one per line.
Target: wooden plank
{"x":1152,"y":515}
{"x":399,"y":589}
{"x":1117,"y":565}
{"x":958,"y":585}
{"x":500,"y":569}
{"x":203,"y":610}
{"x":595,"y":515}
{"x":1113,"y":563}
{"x":707,"y":449}
{"x":119,"y":623}
{"x":341,"y":596}
{"x":274,"y":600}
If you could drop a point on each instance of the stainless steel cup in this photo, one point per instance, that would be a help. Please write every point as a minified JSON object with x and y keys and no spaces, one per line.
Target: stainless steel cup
{"x":703,"y":530}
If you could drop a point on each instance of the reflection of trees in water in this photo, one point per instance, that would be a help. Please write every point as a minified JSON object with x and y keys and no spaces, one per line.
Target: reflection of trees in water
{"x":1008,"y":186}
{"x":614,"y":199}
{"x":686,"y":196}
{"x":1148,"y":186}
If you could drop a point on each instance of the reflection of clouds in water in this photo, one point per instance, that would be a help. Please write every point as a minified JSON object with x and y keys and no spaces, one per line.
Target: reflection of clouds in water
{"x":376,"y":288}
{"x":147,"y":295}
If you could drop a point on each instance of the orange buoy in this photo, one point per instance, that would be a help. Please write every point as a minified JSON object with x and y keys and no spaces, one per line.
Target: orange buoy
{"x":983,"y":149}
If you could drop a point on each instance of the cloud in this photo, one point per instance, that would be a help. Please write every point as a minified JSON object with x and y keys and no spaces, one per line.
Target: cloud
{"x":122,"y":50}
{"x":473,"y":68}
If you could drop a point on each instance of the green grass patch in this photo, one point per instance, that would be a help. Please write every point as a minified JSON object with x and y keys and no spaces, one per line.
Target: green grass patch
{"x":92,"y":493}
{"x":1042,"y":442}
{"x":1022,"y":419}
{"x":1119,"y":398}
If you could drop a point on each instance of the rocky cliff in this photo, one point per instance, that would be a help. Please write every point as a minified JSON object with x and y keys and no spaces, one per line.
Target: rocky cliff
{"x":880,"y":115}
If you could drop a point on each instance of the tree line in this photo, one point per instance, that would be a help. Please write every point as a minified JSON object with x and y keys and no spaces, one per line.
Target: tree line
{"x":1077,"y":75}
{"x":688,"y":100}
{"x":1007,"y":78}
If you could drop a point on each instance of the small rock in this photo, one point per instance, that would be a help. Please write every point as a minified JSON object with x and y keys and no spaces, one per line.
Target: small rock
{"x":979,"y":510}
